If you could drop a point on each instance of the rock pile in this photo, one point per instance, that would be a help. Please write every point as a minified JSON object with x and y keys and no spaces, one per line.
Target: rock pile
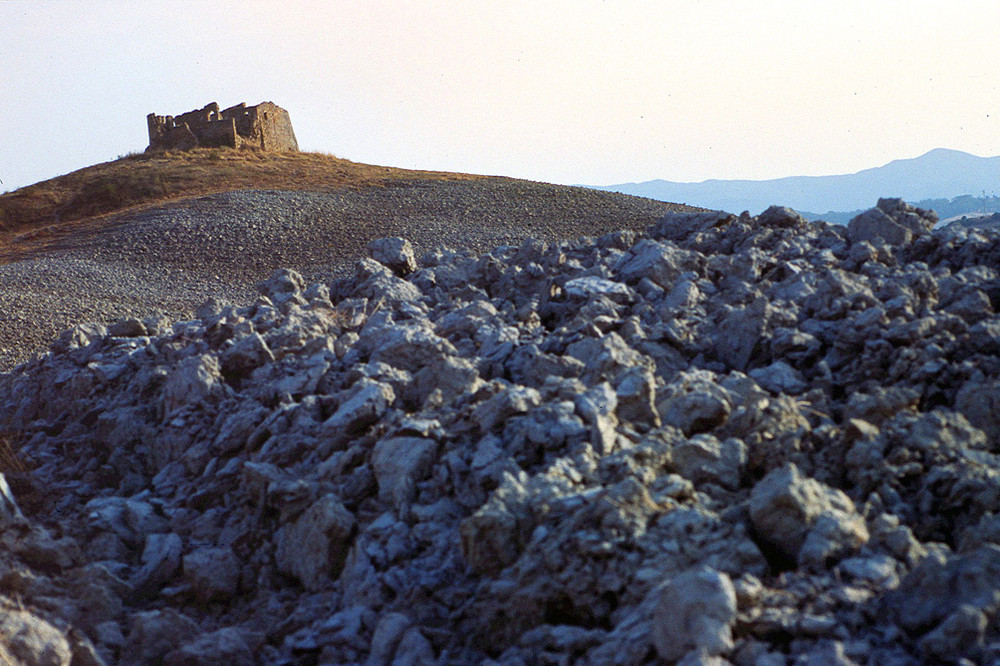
{"x":171,"y":258}
{"x":730,"y":439}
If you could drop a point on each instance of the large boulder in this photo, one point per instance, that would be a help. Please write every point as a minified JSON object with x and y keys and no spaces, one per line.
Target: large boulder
{"x":27,"y":639}
{"x":805,"y":519}
{"x":213,"y":573}
{"x":695,"y":611}
{"x":314,"y":547}
{"x":394,"y":253}
{"x":892,"y":221}
{"x":398,"y":463}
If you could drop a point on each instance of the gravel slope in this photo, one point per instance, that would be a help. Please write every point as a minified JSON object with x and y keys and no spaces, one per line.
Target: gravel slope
{"x":171,"y":259}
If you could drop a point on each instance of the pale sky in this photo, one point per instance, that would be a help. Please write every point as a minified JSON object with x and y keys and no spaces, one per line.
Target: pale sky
{"x":566,"y":92}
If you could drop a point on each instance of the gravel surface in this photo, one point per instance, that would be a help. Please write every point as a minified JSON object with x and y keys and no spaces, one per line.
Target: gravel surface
{"x":171,"y":259}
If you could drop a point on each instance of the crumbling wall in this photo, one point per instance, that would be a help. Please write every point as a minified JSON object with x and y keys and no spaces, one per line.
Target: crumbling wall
{"x":266,"y":126}
{"x":275,"y":127}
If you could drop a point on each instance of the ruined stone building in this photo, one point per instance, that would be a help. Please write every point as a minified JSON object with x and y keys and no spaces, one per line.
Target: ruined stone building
{"x":266,"y":126}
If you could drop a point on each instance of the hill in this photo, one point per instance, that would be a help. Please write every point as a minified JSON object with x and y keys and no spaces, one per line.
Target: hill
{"x":143,"y":179}
{"x":938,"y":174}
{"x":165,"y":232}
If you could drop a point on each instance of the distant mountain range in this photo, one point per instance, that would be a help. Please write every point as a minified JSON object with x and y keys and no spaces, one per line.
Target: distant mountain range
{"x":940,"y":174}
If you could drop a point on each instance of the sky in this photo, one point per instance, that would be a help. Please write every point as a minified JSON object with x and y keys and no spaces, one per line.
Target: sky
{"x":580,"y":92}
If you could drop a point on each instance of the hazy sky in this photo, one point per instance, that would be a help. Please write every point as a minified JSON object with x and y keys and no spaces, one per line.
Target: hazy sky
{"x":566,"y":92}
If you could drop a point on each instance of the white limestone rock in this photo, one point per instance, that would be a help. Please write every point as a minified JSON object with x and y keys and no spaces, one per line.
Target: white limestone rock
{"x":694,"y":611}
{"x":395,"y":253}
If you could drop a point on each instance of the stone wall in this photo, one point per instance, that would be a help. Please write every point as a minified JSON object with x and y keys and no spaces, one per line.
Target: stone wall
{"x":266,"y":126}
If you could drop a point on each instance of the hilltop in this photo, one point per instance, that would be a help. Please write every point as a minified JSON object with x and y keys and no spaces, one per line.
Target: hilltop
{"x":145,"y":179}
{"x":164,"y":232}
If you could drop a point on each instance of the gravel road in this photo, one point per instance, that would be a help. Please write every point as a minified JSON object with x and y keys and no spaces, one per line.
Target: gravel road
{"x":171,"y":259}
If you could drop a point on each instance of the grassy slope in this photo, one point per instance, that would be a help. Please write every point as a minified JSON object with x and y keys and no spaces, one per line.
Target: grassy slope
{"x":153,"y":178}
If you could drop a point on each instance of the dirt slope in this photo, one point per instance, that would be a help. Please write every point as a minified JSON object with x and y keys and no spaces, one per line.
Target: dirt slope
{"x":31,"y":214}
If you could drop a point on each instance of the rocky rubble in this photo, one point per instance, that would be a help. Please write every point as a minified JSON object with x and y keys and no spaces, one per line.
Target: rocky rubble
{"x":727,"y":440}
{"x":169,"y":259}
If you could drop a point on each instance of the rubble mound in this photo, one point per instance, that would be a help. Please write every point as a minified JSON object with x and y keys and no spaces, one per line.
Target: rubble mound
{"x":728,"y":439}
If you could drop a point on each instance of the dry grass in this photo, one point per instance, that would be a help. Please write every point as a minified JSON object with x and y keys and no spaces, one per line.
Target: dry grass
{"x":18,"y":471}
{"x":144,"y":179}
{"x":11,"y":461}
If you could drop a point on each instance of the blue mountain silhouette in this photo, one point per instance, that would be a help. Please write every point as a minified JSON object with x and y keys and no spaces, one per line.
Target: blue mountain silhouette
{"x":940,"y":173}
